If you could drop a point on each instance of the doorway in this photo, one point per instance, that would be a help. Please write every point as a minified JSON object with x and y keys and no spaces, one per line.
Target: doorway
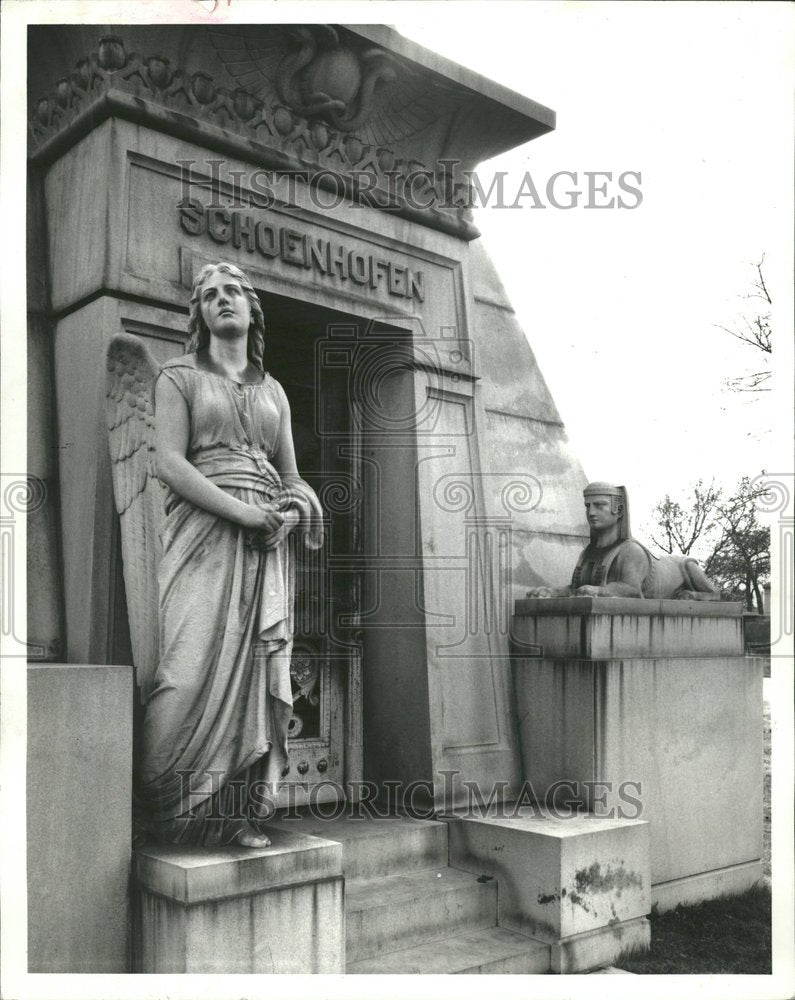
{"x":319,"y":356}
{"x":325,"y":729}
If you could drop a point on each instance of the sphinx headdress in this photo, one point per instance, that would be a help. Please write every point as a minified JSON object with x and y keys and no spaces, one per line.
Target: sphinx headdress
{"x":618,"y":495}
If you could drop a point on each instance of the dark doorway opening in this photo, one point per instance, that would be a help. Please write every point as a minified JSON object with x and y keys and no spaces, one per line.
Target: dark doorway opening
{"x":313,"y":351}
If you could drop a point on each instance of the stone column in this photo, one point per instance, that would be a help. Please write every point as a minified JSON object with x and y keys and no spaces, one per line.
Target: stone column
{"x":648,"y":709}
{"x":45,"y":598}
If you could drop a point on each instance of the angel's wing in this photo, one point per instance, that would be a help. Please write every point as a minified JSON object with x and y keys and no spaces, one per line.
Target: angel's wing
{"x":132,"y":370}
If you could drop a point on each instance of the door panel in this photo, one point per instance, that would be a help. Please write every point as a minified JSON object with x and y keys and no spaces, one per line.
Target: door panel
{"x":326,"y":664}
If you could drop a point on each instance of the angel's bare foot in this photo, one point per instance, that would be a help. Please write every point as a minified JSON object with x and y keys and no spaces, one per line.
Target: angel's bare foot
{"x":248,"y":838}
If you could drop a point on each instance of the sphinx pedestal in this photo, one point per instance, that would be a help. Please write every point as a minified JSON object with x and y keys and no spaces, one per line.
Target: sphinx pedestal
{"x":647,"y":709}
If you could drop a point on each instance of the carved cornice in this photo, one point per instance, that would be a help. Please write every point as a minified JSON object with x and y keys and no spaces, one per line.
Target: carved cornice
{"x":321,"y":146}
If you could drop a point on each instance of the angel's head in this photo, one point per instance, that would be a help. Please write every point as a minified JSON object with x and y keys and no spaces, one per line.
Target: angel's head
{"x":198,"y":331}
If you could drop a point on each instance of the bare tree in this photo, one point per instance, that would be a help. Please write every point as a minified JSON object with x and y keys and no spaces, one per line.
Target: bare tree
{"x":724,"y":533}
{"x":682,"y":526}
{"x":755,"y":331}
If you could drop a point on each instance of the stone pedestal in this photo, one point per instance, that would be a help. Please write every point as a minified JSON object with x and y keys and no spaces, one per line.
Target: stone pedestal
{"x":233,"y":910}
{"x":648,"y":709}
{"x":579,"y":884}
{"x":79,"y":788}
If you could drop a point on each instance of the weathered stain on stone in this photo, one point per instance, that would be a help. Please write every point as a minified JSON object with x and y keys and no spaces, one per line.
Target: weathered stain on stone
{"x":593,"y":880}
{"x":545,"y":898}
{"x":577,"y":900}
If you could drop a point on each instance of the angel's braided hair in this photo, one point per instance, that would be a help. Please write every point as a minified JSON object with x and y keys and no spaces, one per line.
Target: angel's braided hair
{"x":198,"y":332}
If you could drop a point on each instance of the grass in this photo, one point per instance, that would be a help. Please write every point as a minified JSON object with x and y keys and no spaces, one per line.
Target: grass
{"x":728,"y":935}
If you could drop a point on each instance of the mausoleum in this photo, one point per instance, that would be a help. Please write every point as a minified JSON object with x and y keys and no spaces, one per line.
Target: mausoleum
{"x":333,"y":164}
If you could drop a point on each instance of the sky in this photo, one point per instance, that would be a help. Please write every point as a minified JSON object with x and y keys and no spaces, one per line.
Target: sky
{"x":623,"y":307}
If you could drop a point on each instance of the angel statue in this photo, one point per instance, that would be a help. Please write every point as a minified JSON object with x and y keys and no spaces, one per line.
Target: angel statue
{"x":206,"y":484}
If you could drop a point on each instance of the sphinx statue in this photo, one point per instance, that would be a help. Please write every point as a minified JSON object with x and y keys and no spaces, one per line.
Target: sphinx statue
{"x":614,"y":564}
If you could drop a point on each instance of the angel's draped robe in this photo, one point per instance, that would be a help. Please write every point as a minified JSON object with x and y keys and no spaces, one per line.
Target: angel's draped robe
{"x":214,"y":742}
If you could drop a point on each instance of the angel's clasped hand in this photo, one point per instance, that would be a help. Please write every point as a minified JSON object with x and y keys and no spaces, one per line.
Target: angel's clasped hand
{"x":268,"y":526}
{"x":262,"y":522}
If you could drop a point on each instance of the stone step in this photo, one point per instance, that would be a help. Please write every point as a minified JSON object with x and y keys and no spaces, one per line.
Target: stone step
{"x":488,"y":951}
{"x":401,"y":911}
{"x":374,"y":846}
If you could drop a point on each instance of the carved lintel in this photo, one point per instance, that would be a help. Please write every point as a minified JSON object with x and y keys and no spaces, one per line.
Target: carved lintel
{"x":149,"y":90}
